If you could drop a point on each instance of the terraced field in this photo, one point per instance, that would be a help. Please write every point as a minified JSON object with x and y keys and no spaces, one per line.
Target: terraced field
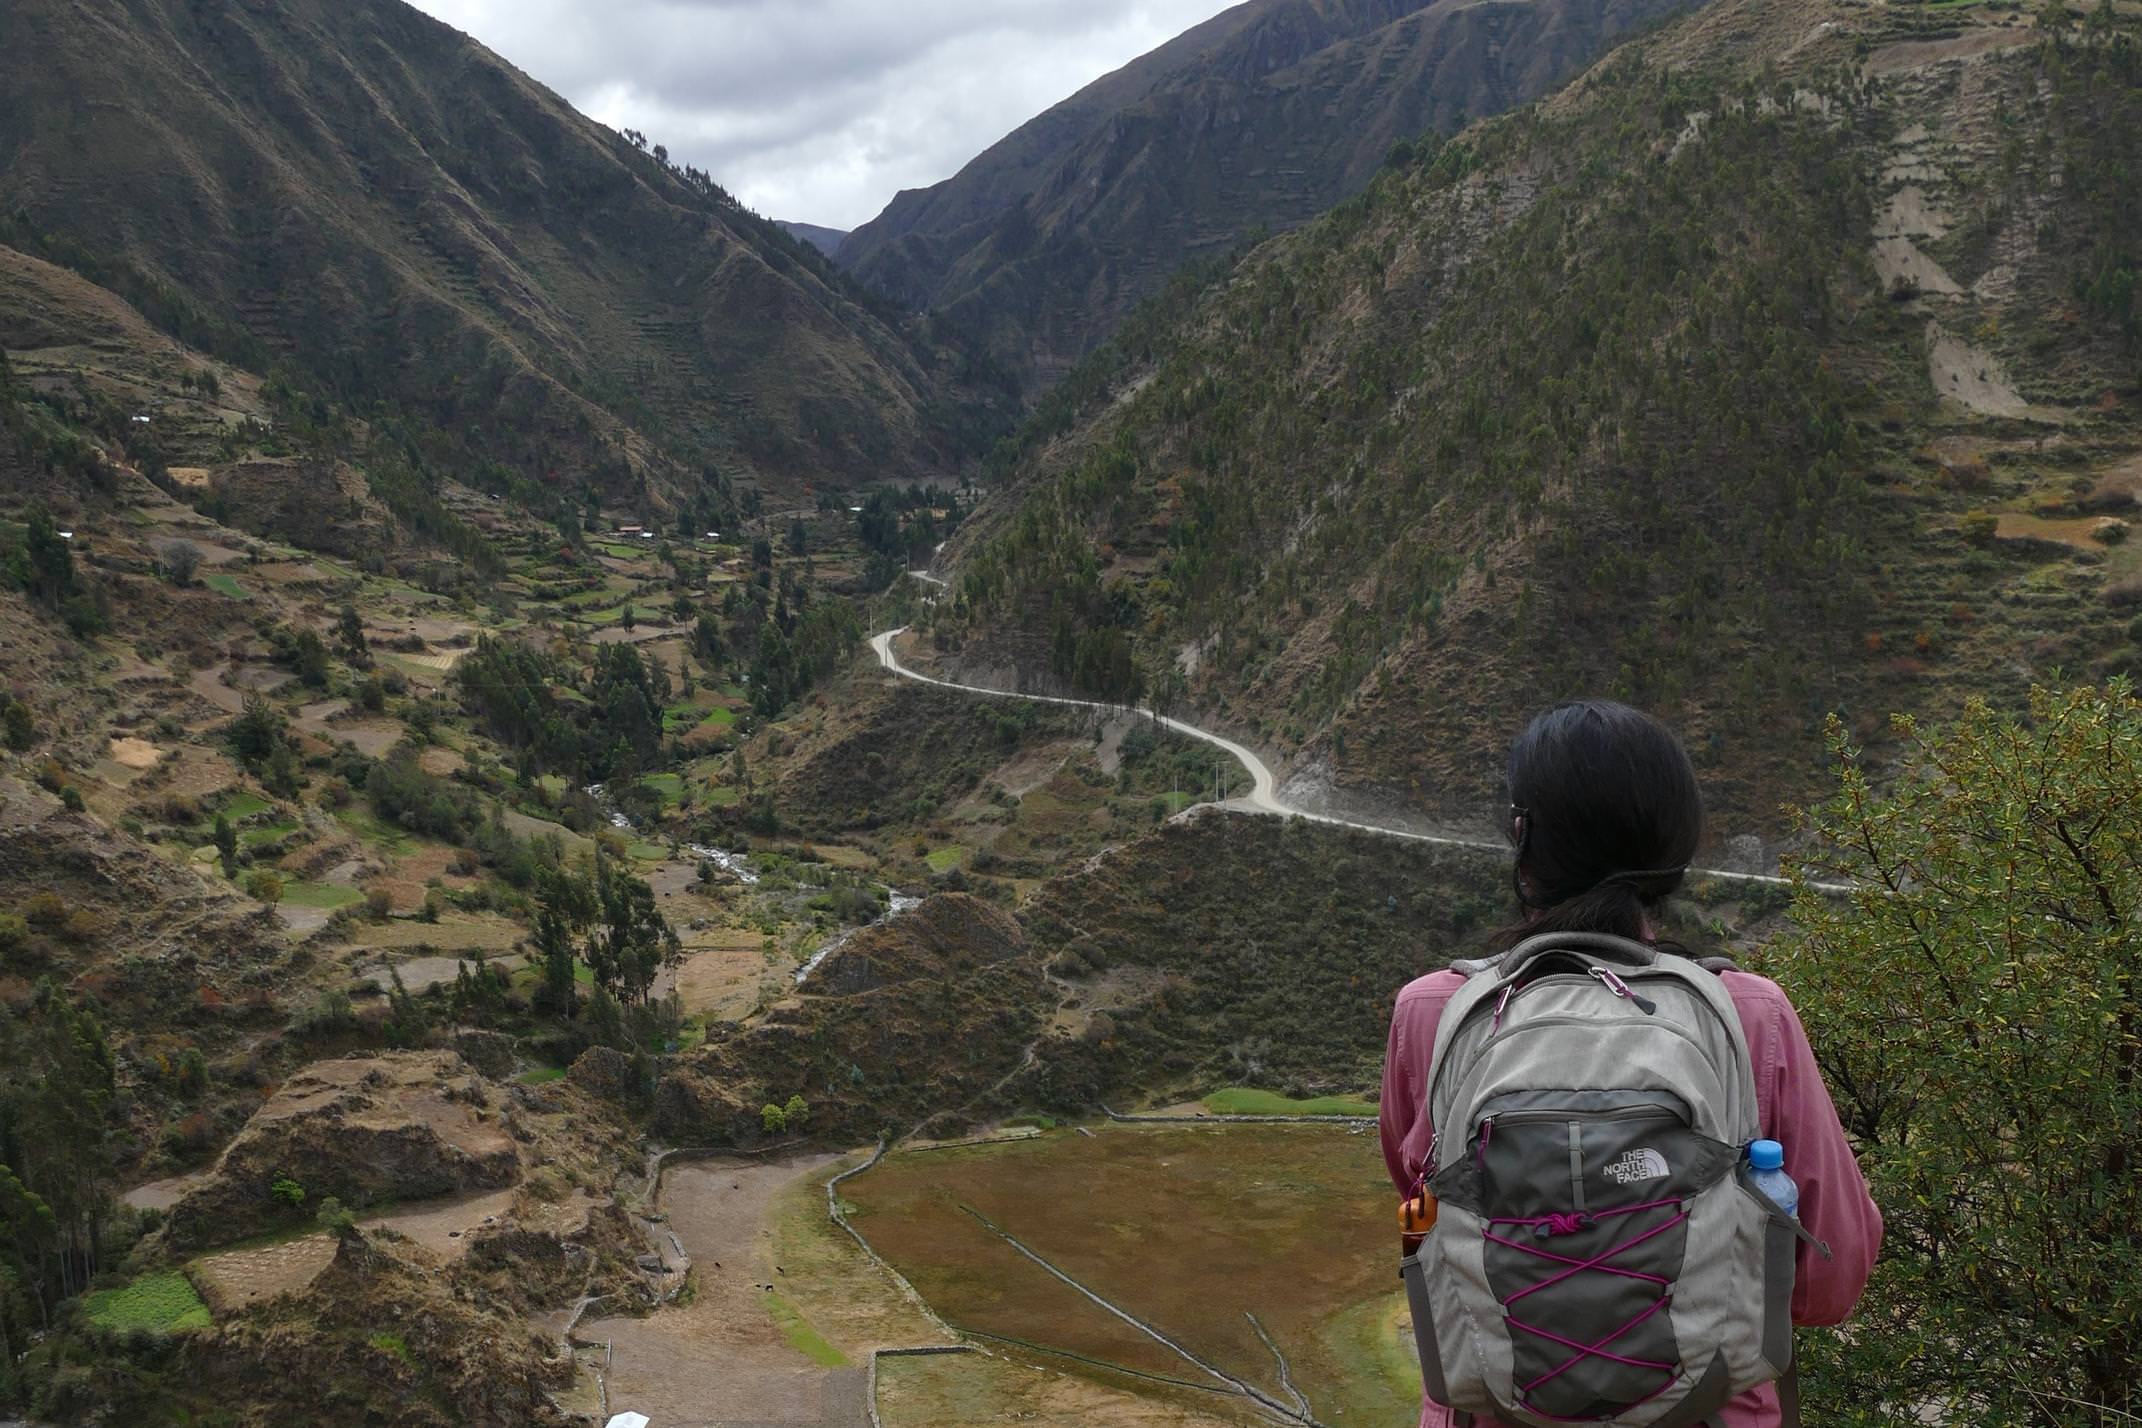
{"x":1230,"y":1245}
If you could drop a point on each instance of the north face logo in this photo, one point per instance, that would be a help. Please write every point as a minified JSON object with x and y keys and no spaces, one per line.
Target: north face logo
{"x":1637,"y":1166}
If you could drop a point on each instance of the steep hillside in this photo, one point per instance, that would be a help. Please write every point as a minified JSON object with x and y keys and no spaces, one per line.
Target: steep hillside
{"x":1259,"y":119}
{"x":825,"y":240}
{"x":374,"y":204}
{"x":1785,"y":363}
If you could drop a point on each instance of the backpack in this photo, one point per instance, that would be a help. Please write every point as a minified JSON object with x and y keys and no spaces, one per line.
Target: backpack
{"x":1598,"y":1253}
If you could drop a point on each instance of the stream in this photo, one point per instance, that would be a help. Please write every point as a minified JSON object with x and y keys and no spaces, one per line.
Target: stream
{"x":738,"y":865}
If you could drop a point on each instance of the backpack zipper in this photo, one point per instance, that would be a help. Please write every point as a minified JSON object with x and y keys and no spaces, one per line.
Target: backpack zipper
{"x":1615,"y":1113}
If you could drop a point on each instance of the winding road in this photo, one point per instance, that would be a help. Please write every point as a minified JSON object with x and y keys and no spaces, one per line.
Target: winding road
{"x":1263,"y":796}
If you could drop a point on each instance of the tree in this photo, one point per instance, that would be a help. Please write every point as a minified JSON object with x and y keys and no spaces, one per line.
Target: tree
{"x":349,"y":636}
{"x":51,"y":560}
{"x":308,"y":655}
{"x":55,"y":1146}
{"x":179,"y":559}
{"x":1976,"y":1005}
{"x":632,"y":941}
{"x":226,"y":845}
{"x":772,"y":1119}
{"x":799,"y":538}
{"x":797,"y":1113}
{"x":564,"y":902}
{"x":707,"y":642}
{"x":257,"y":732}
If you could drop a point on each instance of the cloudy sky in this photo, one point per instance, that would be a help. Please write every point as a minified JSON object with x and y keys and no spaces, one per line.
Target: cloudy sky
{"x":820,"y":110}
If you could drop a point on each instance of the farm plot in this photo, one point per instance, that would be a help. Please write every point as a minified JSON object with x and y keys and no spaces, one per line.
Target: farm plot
{"x":1191,"y":1231}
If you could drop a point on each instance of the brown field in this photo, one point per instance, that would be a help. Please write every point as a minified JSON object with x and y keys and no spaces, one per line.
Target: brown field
{"x":2079,"y":531}
{"x":722,"y":975}
{"x":1189,"y":1229}
{"x":236,"y":1279}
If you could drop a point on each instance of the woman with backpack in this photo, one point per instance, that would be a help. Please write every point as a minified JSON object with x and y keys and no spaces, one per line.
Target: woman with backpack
{"x":1595,"y":1241}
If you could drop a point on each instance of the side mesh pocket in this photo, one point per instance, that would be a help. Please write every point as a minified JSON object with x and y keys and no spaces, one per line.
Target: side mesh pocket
{"x":1415,"y":1274}
{"x":1781,"y":1247}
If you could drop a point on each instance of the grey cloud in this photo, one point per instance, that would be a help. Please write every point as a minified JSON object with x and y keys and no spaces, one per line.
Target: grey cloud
{"x":820,"y":110}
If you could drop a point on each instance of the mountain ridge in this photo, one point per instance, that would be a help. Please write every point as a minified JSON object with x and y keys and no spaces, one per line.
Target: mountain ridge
{"x":1548,"y":411}
{"x":1046,"y":240}
{"x":375,"y":199}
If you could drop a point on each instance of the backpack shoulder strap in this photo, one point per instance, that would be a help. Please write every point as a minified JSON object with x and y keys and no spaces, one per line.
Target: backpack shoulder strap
{"x":1701,"y":976}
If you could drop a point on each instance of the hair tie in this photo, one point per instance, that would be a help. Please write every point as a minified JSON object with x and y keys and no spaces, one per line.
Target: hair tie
{"x":1632,"y":877}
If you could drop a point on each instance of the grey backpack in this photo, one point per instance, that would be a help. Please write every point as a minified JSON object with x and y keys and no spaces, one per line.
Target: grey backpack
{"x":1598,"y":1254}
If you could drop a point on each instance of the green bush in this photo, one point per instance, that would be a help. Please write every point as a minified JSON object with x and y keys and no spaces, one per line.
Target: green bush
{"x":265,"y":884}
{"x":1978,"y":527}
{"x":1977,"y":1009}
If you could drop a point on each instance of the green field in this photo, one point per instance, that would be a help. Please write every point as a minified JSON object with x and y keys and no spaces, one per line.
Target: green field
{"x":944,"y":860}
{"x":1190,"y":1229}
{"x":244,"y":805}
{"x":327,"y":895}
{"x":1241,"y":1101}
{"x":161,"y":1303}
{"x":225,"y":585}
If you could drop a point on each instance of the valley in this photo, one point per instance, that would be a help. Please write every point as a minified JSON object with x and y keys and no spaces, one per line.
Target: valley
{"x":609,"y":806}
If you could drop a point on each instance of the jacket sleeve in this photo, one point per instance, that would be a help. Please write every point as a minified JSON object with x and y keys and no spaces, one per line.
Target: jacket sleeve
{"x":1402,"y":1114}
{"x":1834,"y":1203}
{"x":1400,"y":1105}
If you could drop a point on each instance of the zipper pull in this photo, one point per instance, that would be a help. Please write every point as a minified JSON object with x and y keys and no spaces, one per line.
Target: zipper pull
{"x":1620,"y":989}
{"x":1501,"y":1004}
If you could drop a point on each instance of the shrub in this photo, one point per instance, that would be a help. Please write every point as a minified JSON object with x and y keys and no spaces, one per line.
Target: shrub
{"x":1977,"y":1010}
{"x":335,"y":1217}
{"x":17,"y":723}
{"x":265,"y":884}
{"x":285,"y":1191}
{"x":46,"y":910}
{"x":2110,"y":533}
{"x":377,"y":904}
{"x":179,"y":559}
{"x":1978,"y":527}
{"x":772,"y":1119}
{"x":330,"y":1012}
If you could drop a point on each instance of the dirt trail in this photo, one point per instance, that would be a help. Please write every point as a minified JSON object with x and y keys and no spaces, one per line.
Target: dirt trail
{"x":1263,"y":797}
{"x":722,"y":1360}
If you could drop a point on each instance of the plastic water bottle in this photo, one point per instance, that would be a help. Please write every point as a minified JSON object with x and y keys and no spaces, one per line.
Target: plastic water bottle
{"x":1767,"y":1159}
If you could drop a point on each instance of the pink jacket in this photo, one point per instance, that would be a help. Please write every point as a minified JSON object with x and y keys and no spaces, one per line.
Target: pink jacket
{"x":1795,"y":1109}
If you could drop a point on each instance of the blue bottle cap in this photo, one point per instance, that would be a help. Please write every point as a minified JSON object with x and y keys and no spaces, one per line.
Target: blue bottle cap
{"x":1766,"y":1155}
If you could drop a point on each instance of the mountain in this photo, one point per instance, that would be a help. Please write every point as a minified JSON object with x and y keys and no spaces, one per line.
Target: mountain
{"x":1259,"y":119}
{"x":825,"y":240}
{"x":1785,"y":363}
{"x":382,"y":211}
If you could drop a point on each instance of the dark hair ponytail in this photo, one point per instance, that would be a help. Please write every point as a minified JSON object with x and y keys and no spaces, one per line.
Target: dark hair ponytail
{"x":1605,"y":815}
